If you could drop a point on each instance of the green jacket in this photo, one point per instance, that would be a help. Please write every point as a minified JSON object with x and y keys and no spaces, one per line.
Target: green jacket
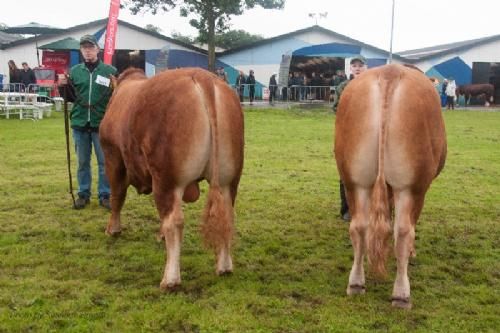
{"x":92,"y":93}
{"x":338,"y":91}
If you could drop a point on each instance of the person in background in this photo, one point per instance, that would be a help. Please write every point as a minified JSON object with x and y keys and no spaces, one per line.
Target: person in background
{"x":14,"y":76}
{"x":357,"y":66}
{"x":89,"y":88}
{"x":27,"y":76}
{"x":443,"y":92}
{"x":222,"y":74}
{"x":240,"y":85}
{"x":451,"y":94}
{"x":273,"y":87}
{"x":251,"y":86}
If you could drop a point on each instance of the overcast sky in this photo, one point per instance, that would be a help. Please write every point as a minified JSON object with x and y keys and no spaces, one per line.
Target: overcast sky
{"x":418,"y":23}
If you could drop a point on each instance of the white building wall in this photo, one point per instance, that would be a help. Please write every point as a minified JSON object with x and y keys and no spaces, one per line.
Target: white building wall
{"x":483,"y":53}
{"x":126,"y":38}
{"x":265,"y":59}
{"x":318,"y":37}
{"x":131,"y":39}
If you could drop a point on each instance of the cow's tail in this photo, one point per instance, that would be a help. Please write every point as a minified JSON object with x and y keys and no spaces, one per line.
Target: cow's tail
{"x":379,"y":228}
{"x":217,"y":221}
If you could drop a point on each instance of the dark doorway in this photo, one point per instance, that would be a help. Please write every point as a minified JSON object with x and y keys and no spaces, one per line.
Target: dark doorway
{"x":319,"y":65}
{"x":486,"y":72}
{"x":123,"y":59}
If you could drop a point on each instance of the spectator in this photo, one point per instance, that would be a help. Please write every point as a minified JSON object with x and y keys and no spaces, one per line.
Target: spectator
{"x":443,"y":93}
{"x":14,"y":76}
{"x":295,"y":86}
{"x":315,"y":84}
{"x":240,"y":85}
{"x":302,"y":80}
{"x":273,"y":87}
{"x":27,"y":75}
{"x":451,"y":94}
{"x":251,"y":86}
{"x":222,"y":74}
{"x":89,"y":88}
{"x":358,"y":66}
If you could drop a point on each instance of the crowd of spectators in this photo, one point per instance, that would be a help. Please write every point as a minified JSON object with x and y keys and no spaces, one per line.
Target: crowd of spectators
{"x":301,"y":86}
{"x":313,"y":86}
{"x":20,"y":78}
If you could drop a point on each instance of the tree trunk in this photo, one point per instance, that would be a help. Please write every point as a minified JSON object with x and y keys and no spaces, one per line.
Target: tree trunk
{"x":211,"y":39}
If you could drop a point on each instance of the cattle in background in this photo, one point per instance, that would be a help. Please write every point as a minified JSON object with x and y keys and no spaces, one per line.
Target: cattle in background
{"x":485,"y":90}
{"x":164,"y":135}
{"x":390,"y":143}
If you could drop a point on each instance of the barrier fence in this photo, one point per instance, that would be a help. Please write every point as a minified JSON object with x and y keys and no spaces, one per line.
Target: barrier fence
{"x":27,"y":102}
{"x":291,"y":94}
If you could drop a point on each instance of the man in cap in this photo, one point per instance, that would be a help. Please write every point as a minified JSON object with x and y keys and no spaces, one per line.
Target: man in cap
{"x":357,"y":66}
{"x":222,"y":74}
{"x":89,"y":88}
{"x":251,"y":86}
{"x":273,"y":87}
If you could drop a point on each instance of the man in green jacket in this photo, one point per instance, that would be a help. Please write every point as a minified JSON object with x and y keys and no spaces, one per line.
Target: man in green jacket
{"x":357,"y":66}
{"x":89,"y":88}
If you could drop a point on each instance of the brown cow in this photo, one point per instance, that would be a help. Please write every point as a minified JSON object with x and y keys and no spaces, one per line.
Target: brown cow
{"x":390,"y":143}
{"x":164,"y":135}
{"x":476,"y":90}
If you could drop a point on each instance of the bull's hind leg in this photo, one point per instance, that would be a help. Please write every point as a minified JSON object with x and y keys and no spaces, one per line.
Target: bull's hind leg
{"x":169,"y":204}
{"x":217,"y":226}
{"x":117,"y":176}
{"x":407,"y":210}
{"x":357,"y":231}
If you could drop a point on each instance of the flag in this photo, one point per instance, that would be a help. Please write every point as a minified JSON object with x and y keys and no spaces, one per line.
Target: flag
{"x":111,"y":29}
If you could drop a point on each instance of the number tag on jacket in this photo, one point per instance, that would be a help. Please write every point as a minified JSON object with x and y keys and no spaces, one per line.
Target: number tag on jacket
{"x":103,"y":81}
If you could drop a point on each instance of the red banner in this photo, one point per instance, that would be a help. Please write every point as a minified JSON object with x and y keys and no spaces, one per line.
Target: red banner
{"x":111,"y":29}
{"x":59,"y":61}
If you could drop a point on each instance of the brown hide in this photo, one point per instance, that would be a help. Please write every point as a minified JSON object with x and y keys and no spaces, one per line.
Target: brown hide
{"x":389,"y":138}
{"x":154,"y":127}
{"x":164,"y":135}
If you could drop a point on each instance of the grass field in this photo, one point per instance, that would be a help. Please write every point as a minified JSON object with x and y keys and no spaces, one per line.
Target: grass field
{"x":292,"y":254}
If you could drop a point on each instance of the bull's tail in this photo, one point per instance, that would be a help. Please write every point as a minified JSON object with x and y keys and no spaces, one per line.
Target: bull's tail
{"x":217,"y":222}
{"x":379,"y":228}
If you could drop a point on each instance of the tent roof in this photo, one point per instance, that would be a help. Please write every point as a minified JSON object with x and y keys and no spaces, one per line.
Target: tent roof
{"x":68,"y":43}
{"x":33,"y":28}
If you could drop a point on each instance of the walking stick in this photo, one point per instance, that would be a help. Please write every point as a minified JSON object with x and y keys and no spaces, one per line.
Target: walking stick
{"x":68,"y":156}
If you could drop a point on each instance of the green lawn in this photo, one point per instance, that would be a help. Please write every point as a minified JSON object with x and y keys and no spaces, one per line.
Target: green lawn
{"x":292,"y":255}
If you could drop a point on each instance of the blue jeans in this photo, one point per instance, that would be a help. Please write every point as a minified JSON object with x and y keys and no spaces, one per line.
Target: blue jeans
{"x":83,"y":147}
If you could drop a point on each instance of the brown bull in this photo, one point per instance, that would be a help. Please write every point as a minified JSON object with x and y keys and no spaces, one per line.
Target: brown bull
{"x":164,"y":135}
{"x":390,"y":143}
{"x":476,"y":90}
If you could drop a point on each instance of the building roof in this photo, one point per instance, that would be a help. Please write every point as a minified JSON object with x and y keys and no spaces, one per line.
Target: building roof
{"x":314,"y":28}
{"x":102,"y":22}
{"x":7,"y":38}
{"x":443,"y":49}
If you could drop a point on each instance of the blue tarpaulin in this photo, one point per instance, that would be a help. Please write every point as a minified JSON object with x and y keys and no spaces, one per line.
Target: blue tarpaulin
{"x":329,"y":50}
{"x":457,"y":69}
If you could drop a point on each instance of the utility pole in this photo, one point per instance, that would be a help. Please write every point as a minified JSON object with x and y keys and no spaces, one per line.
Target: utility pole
{"x":392,"y":31}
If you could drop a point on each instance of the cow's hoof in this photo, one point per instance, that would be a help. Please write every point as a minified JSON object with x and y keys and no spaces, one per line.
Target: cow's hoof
{"x":401,"y":302}
{"x":356,"y":289}
{"x":113,"y":232}
{"x":224,"y":272}
{"x":160,"y":237}
{"x":170,"y":286}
